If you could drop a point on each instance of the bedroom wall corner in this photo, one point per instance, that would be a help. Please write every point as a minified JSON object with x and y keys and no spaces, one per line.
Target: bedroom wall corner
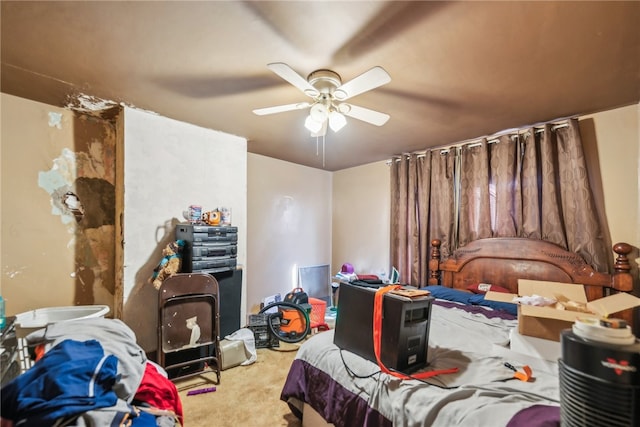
{"x":169,"y":165}
{"x":361,"y":218}
{"x":289,"y":221}
{"x":615,"y":136}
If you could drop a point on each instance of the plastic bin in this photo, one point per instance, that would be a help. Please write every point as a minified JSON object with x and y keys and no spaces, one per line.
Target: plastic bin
{"x":318,"y":310}
{"x":33,"y":320}
{"x":30,"y":321}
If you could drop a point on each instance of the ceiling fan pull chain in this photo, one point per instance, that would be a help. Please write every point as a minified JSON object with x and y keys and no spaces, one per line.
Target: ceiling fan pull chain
{"x":323,"y":137}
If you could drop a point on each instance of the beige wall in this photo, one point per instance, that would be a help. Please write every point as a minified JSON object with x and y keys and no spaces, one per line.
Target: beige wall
{"x":617,"y":136}
{"x":289,"y":217}
{"x":361,"y":218}
{"x":169,"y":165}
{"x":51,"y":259}
{"x":50,"y":256}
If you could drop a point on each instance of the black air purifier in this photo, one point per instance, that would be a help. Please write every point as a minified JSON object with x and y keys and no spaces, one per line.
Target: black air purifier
{"x":599,"y":383}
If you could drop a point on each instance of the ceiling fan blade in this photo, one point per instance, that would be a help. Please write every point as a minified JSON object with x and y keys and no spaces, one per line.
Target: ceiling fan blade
{"x":366,"y":81}
{"x":287,"y":73}
{"x":281,"y":108}
{"x":364,"y":114}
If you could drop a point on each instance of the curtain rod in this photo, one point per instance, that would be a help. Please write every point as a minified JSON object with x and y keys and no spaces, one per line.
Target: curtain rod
{"x":493,"y":138}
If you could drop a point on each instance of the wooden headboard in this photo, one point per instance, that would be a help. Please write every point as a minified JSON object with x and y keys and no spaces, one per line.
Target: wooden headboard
{"x":504,"y":260}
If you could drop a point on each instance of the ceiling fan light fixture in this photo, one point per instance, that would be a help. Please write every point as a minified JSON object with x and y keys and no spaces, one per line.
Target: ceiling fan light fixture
{"x":319,"y":112}
{"x":337,"y":121}
{"x":312,"y":125}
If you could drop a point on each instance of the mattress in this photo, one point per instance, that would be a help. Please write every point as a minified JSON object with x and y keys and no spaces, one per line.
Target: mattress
{"x":346,"y":390}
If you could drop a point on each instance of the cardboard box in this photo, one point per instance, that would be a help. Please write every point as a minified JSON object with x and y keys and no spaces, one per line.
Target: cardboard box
{"x":548,"y":322}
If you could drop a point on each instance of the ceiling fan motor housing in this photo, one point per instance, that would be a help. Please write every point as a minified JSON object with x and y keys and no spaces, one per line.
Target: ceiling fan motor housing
{"x":326,"y":81}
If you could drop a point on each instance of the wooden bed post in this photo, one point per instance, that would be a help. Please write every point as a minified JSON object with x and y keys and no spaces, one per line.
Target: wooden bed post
{"x":621,"y":280}
{"x":434,"y":263}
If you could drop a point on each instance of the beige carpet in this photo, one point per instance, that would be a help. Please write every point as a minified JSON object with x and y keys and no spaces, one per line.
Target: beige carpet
{"x":246,"y":396}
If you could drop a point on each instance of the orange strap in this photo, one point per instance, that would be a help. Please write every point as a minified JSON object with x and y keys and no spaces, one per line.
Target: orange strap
{"x":377,"y":338}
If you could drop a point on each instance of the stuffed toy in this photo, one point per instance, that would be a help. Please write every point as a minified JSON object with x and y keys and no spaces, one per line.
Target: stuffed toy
{"x":170,"y":263}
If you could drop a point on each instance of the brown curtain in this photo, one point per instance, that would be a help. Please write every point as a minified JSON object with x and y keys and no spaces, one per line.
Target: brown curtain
{"x":420,"y":271}
{"x":583,"y":230}
{"x":399,"y":207}
{"x":441,"y":205}
{"x":410,"y":193}
{"x":532,"y":183}
{"x":530,"y":188}
{"x":505,"y":187}
{"x":475,"y":215}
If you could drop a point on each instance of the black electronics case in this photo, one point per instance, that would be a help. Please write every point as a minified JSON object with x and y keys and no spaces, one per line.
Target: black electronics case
{"x":208,"y":248}
{"x":206,"y":233}
{"x":405,"y":327}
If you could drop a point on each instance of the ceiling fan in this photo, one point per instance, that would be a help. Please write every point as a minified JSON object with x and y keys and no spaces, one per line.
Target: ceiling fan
{"x":327,"y":92}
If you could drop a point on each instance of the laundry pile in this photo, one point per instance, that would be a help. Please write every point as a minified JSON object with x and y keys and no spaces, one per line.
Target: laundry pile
{"x":90,"y":372}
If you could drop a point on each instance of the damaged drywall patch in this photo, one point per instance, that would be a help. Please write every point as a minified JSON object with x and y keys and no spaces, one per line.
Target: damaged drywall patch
{"x":88,"y":104}
{"x":81,"y":186}
{"x":97,"y":107}
{"x":11,"y":274}
{"x":72,"y":202}
{"x":55,"y":120}
{"x":58,"y":181}
{"x":70,"y":194}
{"x":92,"y":106}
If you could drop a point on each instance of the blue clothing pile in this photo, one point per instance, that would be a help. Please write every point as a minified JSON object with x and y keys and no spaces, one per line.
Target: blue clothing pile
{"x":87,"y":376}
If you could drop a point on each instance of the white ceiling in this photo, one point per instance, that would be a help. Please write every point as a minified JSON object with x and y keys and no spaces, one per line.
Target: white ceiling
{"x":459,"y":70}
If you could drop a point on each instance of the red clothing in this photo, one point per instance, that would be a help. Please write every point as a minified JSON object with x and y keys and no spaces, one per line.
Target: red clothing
{"x":159,"y":392}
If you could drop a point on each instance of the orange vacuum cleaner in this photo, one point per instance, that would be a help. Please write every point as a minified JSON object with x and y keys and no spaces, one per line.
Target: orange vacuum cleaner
{"x":294,"y":321}
{"x":293,"y":314}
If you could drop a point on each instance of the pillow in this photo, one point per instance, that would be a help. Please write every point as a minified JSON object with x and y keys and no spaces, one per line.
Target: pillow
{"x":449,"y":294}
{"x":478,"y":299}
{"x":463,"y":297}
{"x":483,"y":288}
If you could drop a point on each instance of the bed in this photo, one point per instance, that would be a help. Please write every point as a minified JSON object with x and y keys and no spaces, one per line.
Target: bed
{"x":329,"y":385}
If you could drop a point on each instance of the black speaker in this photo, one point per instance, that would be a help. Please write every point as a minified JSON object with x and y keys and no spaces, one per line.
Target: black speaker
{"x":230,"y":285}
{"x":405,"y":327}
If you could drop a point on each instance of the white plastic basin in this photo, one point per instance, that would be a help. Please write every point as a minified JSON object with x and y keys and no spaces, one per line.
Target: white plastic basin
{"x":30,"y":321}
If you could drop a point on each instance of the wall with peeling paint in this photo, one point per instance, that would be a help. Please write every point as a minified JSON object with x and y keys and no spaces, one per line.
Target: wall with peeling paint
{"x":169,"y":165}
{"x":61,"y":200}
{"x":58,"y":175}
